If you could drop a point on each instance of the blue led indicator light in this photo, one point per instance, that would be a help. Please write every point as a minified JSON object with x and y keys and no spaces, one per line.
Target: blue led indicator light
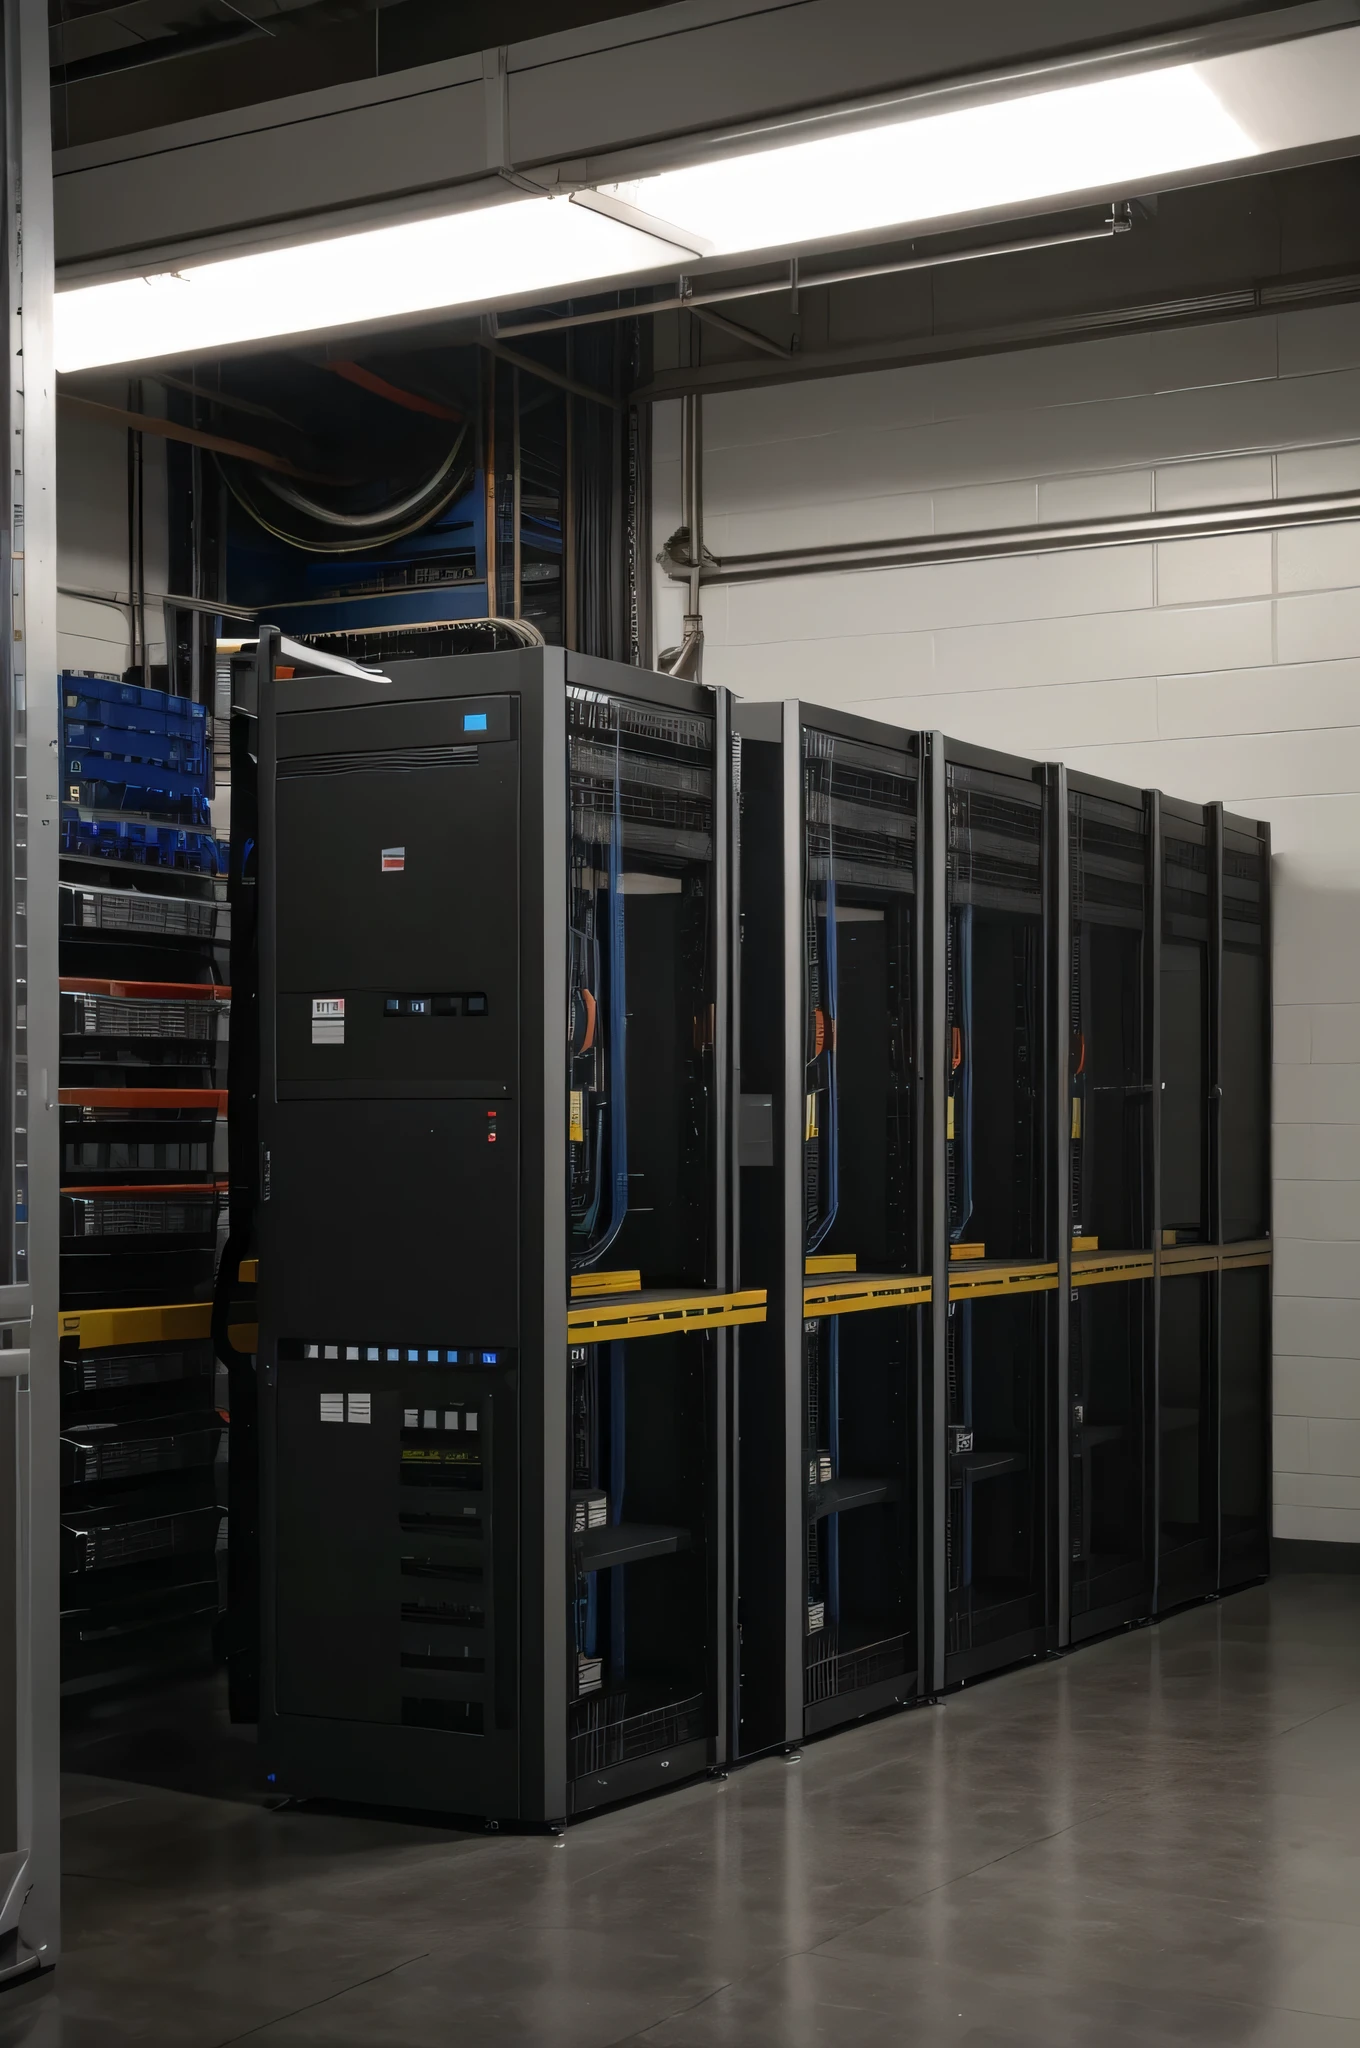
{"x":432,"y":1358}
{"x":474,"y":721}
{"x":413,"y":1358}
{"x":488,"y":1358}
{"x":451,"y":1358}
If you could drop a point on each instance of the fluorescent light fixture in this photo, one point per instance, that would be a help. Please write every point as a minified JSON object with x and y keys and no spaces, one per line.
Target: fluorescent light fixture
{"x":1107,"y":138}
{"x":1115,"y":135}
{"x":536,"y":246}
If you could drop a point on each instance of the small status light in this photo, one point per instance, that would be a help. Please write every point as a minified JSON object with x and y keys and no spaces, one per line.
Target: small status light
{"x":489,"y":1357}
{"x":474,"y":721}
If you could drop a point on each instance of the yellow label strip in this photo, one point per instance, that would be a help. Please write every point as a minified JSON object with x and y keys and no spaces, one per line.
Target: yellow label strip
{"x":604,"y":1322}
{"x":1103,"y":1268}
{"x":852,"y":1296}
{"x":983,"y":1282}
{"x":97,"y":1329}
{"x":584,"y":1285}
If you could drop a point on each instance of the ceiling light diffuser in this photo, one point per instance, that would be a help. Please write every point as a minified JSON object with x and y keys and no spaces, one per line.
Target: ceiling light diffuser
{"x":1115,"y":135}
{"x":538,"y":246}
{"x":1107,"y":139}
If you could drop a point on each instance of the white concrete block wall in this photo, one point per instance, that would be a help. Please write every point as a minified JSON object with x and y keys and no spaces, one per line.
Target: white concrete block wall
{"x":1216,"y":668}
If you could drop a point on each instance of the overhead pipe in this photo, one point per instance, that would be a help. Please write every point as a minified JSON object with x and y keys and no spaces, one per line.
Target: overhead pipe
{"x":1119,"y":221}
{"x":1126,"y":530}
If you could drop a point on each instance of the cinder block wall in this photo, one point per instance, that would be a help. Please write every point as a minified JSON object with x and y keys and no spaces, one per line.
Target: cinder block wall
{"x":1224,"y":668}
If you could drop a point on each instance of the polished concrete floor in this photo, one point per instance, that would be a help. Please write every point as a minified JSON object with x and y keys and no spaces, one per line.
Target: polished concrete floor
{"x":1156,"y":1840}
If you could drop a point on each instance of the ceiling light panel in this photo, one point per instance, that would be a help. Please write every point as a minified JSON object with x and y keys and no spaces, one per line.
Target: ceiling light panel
{"x":1110,"y":138}
{"x":481,"y":258}
{"x":1113,"y":136}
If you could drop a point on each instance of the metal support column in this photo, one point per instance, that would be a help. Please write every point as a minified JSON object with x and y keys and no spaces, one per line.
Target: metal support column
{"x":933,"y":1457}
{"x":789,"y":1153}
{"x":30,"y":821}
{"x":1060,"y":968}
{"x":1154,"y":1025}
{"x":1214,"y":1175}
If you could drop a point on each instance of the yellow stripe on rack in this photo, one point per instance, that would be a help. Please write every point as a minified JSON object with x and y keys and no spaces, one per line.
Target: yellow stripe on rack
{"x":100,"y":1328}
{"x":1101,"y":1269}
{"x":1189,"y":1258}
{"x":831,"y":1262}
{"x":661,"y":1315}
{"x":248,"y":1272}
{"x":176,"y":1322}
{"x":1235,"y":1257}
{"x":986,"y":1281}
{"x":587,"y":1285}
{"x":861,"y":1291}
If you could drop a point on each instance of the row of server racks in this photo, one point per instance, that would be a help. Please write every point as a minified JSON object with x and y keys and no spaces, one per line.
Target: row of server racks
{"x":761,"y":1217}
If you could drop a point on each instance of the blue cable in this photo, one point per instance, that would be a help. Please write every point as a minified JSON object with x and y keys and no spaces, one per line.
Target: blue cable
{"x":618,"y":1020}
{"x":833,"y":1147}
{"x":963,"y":1092}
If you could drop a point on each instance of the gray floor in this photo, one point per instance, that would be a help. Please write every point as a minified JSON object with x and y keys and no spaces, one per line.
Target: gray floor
{"x":1155,"y":1840}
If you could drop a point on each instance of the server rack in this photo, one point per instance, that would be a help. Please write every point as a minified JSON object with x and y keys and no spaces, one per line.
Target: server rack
{"x":996,"y":1248}
{"x":829,"y":1557}
{"x":494,"y":1229}
{"x":1104,"y":1135}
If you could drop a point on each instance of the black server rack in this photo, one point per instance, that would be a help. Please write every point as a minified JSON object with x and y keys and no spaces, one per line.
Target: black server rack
{"x":144,"y":1013}
{"x":828,"y":1554}
{"x":493,"y":1220}
{"x":1104,"y":1143}
{"x":995,"y":1243}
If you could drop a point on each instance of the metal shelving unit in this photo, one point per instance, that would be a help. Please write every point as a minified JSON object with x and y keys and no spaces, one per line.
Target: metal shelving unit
{"x":143,"y":1018}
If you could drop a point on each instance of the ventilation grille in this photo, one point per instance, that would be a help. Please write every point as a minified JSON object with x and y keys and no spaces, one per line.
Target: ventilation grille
{"x":392,"y":761}
{"x":831,"y":1672}
{"x":604,"y":1733}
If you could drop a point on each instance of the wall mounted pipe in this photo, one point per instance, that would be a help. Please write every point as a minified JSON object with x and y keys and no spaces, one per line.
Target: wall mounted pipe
{"x":1124,"y":531}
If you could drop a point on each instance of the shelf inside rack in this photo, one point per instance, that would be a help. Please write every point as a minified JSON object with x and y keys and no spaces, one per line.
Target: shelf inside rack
{"x":839,"y":1496}
{"x":599,"y":1550}
{"x":989,"y":1464}
{"x":1092,"y":1434}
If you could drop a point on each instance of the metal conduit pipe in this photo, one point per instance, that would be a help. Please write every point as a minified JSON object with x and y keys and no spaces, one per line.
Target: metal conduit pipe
{"x":1119,"y":221}
{"x":687,"y":659}
{"x":1126,"y":530}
